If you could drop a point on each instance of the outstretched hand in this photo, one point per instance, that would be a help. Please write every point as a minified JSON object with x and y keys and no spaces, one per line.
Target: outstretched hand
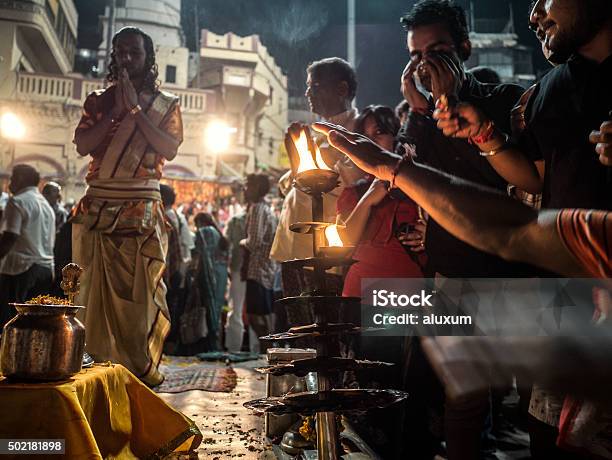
{"x":603,"y":141}
{"x":376,"y":193}
{"x":462,"y":120}
{"x":368,"y":156}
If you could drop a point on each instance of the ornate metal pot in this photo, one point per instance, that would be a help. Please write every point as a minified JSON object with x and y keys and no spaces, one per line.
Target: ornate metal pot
{"x":43,"y":342}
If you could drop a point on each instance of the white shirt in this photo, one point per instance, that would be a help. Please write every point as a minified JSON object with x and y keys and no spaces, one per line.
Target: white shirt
{"x":297,"y":207}
{"x":3,"y":200}
{"x":28,"y":215}
{"x":185,"y":238}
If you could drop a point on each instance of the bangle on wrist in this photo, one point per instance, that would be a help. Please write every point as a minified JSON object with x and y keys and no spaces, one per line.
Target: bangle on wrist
{"x":134,"y":110}
{"x":396,"y":169}
{"x":495,"y":151}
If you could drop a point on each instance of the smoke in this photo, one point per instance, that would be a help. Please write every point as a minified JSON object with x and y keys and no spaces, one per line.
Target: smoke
{"x":294,"y":22}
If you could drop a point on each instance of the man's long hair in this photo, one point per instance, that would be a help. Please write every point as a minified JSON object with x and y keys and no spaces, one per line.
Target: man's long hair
{"x":150,"y":81}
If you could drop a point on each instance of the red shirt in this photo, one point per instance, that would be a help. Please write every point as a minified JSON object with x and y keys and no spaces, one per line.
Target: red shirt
{"x":379,"y":253}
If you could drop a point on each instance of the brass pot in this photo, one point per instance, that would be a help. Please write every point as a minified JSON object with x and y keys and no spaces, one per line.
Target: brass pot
{"x":43,"y":342}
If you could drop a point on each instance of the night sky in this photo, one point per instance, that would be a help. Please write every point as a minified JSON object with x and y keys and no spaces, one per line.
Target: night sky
{"x":297,"y":32}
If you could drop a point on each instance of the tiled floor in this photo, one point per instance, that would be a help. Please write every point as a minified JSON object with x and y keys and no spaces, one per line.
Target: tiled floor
{"x":232,"y":432}
{"x":229,"y":430}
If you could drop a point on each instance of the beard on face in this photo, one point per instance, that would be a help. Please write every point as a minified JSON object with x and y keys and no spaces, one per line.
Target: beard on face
{"x":134,"y":72}
{"x":568,"y":40}
{"x":555,"y":58}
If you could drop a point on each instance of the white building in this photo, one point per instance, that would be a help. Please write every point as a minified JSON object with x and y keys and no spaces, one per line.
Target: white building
{"x":495,"y":45}
{"x":36,"y":86}
{"x":239,"y":84}
{"x":252,"y":95}
{"x":37,"y":45}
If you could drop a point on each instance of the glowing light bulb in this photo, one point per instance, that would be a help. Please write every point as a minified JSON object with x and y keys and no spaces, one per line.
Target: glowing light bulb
{"x":11,"y":126}
{"x":217,"y":136}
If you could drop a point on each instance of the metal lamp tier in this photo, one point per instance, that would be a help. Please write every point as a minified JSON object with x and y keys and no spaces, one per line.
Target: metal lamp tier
{"x":326,"y":310}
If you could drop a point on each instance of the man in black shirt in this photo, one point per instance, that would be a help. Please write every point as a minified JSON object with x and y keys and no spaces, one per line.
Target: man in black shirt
{"x":552,"y":155}
{"x":438,"y":44}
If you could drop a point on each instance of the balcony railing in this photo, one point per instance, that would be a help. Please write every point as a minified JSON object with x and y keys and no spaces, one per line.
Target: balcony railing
{"x":73,"y":91}
{"x":30,"y":86}
{"x":192,"y":101}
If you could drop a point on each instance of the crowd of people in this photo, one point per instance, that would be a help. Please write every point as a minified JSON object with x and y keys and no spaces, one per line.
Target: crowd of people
{"x":467,"y":177}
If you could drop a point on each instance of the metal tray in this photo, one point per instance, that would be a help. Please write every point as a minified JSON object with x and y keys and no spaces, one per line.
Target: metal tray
{"x":341,"y":400}
{"x":301,"y":367}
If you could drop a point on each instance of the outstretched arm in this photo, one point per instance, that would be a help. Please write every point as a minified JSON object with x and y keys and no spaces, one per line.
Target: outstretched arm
{"x":483,"y":218}
{"x":466,"y":121}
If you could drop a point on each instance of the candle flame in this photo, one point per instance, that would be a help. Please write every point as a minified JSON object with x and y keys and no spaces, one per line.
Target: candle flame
{"x":333,"y":238}
{"x":319,"y":159}
{"x":306,"y":160}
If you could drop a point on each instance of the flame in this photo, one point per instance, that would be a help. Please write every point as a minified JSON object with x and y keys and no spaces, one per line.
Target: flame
{"x":333,"y":238}
{"x":306,"y":161}
{"x":319,"y":159}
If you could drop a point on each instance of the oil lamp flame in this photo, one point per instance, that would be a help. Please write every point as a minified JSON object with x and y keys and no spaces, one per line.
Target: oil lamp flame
{"x":307,"y":162}
{"x":333,"y":238}
{"x":319,"y":159}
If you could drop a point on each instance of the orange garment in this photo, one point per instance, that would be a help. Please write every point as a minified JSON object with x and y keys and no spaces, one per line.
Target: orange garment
{"x":98,"y":104}
{"x":120,"y":238}
{"x":587,"y":234}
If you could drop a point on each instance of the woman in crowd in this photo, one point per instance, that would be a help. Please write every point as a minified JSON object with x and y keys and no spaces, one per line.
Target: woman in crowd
{"x":211,"y":272}
{"x":378,"y":221}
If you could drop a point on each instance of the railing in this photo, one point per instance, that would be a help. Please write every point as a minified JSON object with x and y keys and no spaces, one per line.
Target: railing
{"x":89,"y":86}
{"x":31,"y":86}
{"x":74,"y":90}
{"x":192,"y":101}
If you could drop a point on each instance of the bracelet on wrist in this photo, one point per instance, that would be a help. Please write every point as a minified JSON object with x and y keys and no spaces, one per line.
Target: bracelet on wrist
{"x":134,"y":110}
{"x":485,"y":135}
{"x":501,"y":148}
{"x":396,"y":169}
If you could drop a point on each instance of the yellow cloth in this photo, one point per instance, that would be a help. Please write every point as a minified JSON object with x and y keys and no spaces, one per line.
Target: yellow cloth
{"x":126,"y":316}
{"x":102,"y":412}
